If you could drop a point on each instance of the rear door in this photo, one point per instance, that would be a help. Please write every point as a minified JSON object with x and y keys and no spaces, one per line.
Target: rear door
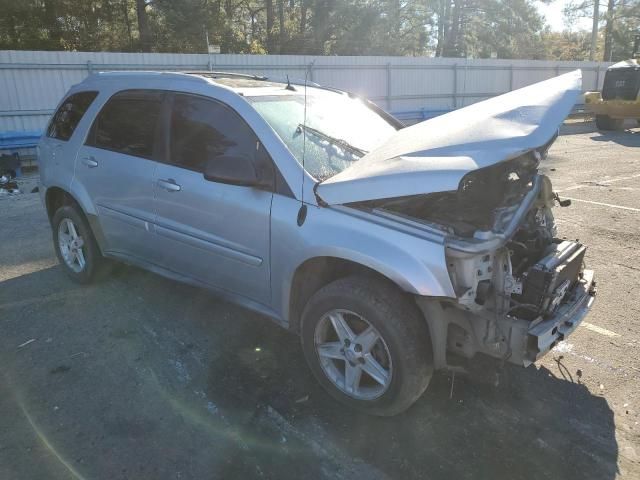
{"x":116,"y":164}
{"x":57,"y":151}
{"x":214,"y":232}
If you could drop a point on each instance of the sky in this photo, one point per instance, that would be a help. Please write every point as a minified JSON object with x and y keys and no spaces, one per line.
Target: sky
{"x":555,"y":17}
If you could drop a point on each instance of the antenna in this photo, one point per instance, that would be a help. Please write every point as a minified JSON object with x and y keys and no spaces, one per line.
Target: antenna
{"x":304,"y":131}
{"x":302,"y":213}
{"x":289,"y":86}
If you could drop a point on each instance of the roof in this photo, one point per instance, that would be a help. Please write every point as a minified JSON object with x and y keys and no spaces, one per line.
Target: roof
{"x":243,"y":84}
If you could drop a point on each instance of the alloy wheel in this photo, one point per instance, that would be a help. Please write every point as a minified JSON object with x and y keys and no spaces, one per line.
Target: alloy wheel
{"x":71,"y":245}
{"x":353,"y":354}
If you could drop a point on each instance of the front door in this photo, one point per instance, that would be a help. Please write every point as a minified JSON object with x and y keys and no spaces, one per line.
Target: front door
{"x":214,"y":232}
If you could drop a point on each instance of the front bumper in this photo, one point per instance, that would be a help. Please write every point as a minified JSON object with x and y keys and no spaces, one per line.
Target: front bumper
{"x":594,"y":103}
{"x":543,"y":335}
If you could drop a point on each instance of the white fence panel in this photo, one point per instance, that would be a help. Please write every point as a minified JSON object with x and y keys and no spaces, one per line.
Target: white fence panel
{"x":32,"y":83}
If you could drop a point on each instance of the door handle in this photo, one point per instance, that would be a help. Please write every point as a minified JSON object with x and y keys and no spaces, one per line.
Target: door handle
{"x":89,"y":162}
{"x":169,"y":185}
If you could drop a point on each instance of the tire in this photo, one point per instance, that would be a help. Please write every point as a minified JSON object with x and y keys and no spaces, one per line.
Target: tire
{"x":605,"y":122}
{"x":403,"y":349}
{"x":92,"y":263}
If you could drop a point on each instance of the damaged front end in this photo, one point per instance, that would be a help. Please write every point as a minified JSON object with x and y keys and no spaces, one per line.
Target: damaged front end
{"x":520,"y":289}
{"x":471,"y":178}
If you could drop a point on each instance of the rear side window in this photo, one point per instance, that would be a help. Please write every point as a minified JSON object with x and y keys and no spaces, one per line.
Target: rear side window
{"x":203,"y":129}
{"x":67,"y":117}
{"x":128,"y":123}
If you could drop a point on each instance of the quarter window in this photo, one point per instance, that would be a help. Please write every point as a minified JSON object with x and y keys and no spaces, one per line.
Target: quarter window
{"x":128,"y":123}
{"x":203,"y":129}
{"x":67,"y":117}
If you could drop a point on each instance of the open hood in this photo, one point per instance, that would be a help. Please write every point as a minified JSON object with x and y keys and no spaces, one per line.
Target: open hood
{"x":434,"y":155}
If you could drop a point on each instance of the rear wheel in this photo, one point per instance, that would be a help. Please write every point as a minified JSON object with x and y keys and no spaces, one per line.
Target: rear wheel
{"x":367,"y":345}
{"x":605,"y":122}
{"x":75,"y":245}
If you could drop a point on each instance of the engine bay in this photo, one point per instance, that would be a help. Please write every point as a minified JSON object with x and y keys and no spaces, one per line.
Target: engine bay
{"x":533,"y":271}
{"x":476,"y":204}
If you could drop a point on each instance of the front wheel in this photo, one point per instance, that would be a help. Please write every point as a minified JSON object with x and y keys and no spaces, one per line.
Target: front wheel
{"x":605,"y":122}
{"x":367,"y":345}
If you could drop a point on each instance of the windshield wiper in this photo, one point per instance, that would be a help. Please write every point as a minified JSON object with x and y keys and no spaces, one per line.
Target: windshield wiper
{"x":335,"y":141}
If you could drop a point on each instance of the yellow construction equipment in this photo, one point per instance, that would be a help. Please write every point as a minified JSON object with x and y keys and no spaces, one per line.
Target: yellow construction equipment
{"x":619,"y":98}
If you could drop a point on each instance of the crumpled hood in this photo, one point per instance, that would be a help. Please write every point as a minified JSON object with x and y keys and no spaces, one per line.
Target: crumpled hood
{"x":434,"y":155}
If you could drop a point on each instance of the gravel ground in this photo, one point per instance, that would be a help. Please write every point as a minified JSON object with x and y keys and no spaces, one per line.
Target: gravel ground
{"x":143,"y":378}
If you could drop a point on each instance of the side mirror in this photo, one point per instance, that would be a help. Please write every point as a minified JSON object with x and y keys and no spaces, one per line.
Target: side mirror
{"x":232,"y":169}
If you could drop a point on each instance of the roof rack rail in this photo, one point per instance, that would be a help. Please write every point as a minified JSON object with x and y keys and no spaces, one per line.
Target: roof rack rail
{"x":293,"y":81}
{"x":207,"y":73}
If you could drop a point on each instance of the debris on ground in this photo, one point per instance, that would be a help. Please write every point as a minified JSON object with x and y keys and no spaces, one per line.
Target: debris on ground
{"x":26,"y":343}
{"x":8,"y":185}
{"x":9,"y":170}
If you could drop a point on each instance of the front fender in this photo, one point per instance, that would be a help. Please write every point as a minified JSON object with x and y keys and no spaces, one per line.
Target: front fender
{"x":413,"y":261}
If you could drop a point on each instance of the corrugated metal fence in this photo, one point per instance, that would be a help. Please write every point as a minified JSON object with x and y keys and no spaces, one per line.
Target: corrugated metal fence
{"x":31,"y":83}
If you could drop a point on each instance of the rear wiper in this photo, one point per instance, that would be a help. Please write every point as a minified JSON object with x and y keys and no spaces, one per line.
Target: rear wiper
{"x":335,"y":141}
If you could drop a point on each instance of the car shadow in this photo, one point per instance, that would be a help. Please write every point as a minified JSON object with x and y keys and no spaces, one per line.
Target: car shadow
{"x":253,"y":379}
{"x":631,"y":128}
{"x":577,"y":127}
{"x":626,"y":138}
{"x":538,"y":425}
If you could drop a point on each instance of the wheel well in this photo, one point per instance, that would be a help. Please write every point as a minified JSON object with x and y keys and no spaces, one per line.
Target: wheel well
{"x":314,"y":274}
{"x":55,"y":198}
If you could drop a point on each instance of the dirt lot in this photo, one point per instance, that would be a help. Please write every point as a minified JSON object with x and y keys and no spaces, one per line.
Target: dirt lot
{"x":143,"y":378}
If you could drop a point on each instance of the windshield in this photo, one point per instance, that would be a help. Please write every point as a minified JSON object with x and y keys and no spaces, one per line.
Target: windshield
{"x":339,"y":130}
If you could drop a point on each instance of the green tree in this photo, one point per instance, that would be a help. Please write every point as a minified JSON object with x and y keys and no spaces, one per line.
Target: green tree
{"x":618,"y":21}
{"x":482,"y":28}
{"x":454,"y":28}
{"x":566,"y":45}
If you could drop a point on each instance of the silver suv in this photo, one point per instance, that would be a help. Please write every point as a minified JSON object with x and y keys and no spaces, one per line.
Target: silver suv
{"x":392,"y":251}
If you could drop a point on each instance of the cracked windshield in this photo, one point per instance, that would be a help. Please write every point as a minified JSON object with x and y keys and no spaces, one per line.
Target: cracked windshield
{"x":339,"y":129}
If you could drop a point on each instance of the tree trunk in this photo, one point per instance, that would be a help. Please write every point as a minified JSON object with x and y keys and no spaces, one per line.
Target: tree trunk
{"x":253,"y":26}
{"x":52,"y":25}
{"x":127,"y":21}
{"x":282,"y":32}
{"x":608,"y":32}
{"x":452,"y":42}
{"x":594,"y":30}
{"x":270,"y":38}
{"x":227,"y":30}
{"x":143,"y":25}
{"x":443,"y":19}
{"x":303,"y":17}
{"x":320,"y":24}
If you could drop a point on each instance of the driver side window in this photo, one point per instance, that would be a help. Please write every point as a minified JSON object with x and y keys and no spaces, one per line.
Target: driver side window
{"x":203,"y":129}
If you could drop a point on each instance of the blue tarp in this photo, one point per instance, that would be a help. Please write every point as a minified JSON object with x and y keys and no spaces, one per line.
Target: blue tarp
{"x":14,"y":140}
